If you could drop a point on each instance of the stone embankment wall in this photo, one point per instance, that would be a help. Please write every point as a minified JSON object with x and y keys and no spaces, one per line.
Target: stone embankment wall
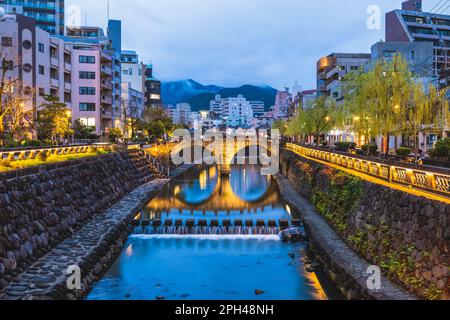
{"x":407,"y":236}
{"x":39,"y":211}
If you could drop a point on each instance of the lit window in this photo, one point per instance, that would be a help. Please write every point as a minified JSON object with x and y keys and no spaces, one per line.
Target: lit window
{"x":90,"y":122}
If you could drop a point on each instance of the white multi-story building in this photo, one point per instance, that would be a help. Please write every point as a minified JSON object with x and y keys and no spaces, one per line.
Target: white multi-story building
{"x":133,"y":85}
{"x":40,"y":64}
{"x":258,"y":108}
{"x":234,"y":112}
{"x":181,"y":114}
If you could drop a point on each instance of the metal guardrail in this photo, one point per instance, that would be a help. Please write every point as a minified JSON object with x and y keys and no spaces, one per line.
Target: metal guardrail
{"x":33,"y":153}
{"x":426,"y":179}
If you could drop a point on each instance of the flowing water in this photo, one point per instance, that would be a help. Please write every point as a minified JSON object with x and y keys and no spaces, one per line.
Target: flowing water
{"x":216,"y":239}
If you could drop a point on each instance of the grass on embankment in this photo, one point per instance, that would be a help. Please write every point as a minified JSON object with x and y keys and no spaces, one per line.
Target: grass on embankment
{"x":6,"y":165}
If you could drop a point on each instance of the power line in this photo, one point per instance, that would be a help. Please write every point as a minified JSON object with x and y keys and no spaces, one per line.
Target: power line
{"x":436,"y":5}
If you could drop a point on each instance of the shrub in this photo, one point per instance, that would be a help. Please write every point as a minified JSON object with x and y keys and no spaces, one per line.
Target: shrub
{"x":345,"y":146}
{"x":11,"y":144}
{"x":370,"y":149}
{"x":441,"y":149}
{"x":47,"y":142}
{"x":31,"y":143}
{"x":403,"y":152}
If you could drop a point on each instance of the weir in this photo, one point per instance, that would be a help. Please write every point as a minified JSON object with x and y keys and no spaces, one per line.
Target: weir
{"x":213,"y":227}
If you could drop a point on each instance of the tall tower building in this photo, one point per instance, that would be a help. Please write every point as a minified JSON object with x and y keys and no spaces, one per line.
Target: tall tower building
{"x":48,"y":14}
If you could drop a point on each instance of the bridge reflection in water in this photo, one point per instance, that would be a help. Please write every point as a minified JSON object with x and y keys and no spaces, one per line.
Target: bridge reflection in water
{"x":205,"y":194}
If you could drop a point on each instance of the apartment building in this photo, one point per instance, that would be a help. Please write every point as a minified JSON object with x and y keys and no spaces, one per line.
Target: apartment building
{"x":96,"y":80}
{"x":418,"y":55}
{"x":283,"y":100}
{"x":258,"y":108}
{"x":133,"y":80}
{"x":152,"y":89}
{"x":48,"y":14}
{"x":234,"y":112}
{"x":181,"y":114}
{"x":41,"y":64}
{"x":411,"y":24}
{"x":332,"y":68}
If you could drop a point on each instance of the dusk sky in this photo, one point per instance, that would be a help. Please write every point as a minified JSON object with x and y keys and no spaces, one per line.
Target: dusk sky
{"x":234,"y":42}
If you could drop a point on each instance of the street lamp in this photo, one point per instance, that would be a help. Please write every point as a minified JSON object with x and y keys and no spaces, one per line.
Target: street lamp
{"x":69,"y":122}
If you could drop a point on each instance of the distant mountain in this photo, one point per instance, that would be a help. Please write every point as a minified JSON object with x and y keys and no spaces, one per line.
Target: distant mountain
{"x":199,"y":96}
{"x":181,"y":91}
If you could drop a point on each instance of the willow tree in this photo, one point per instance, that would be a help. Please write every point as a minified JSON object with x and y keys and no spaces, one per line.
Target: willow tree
{"x":377,"y":100}
{"x":358,"y":110}
{"x":319,"y":119}
{"x":389,"y":91}
{"x":425,"y":112}
{"x":299,"y":126}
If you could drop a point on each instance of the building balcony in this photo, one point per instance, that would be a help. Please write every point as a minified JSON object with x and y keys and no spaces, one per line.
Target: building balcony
{"x":54,"y":83}
{"x":54,"y":62}
{"x":106,"y":70}
{"x":332,"y":72}
{"x":107,"y":85}
{"x":107,"y":115}
{"x":106,"y":100}
{"x":67,"y":86}
{"x":67,"y":67}
{"x":105,"y":57}
{"x":426,"y":36}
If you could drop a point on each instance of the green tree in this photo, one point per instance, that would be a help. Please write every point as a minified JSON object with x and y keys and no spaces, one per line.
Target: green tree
{"x":53,"y":121}
{"x":115,"y":134}
{"x":82,"y":131}
{"x":156,"y":123}
{"x":320,"y":118}
{"x":280,"y":125}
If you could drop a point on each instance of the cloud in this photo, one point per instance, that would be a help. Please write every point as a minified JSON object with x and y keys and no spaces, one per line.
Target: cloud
{"x":232,"y":42}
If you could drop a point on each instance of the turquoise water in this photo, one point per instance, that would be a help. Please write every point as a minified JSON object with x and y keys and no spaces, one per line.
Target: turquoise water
{"x":208,"y":268}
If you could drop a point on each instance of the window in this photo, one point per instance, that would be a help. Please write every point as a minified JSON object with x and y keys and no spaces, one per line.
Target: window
{"x":90,"y":122}
{"x":131,"y":72}
{"x":7,"y":42}
{"x":41,"y":70}
{"x":41,"y":47}
{"x":41,"y":92}
{"x":87,"y":91}
{"x":355,"y":68}
{"x":87,"y":59}
{"x":87,"y":106}
{"x":26,"y":45}
{"x":125,"y":72}
{"x":87,"y":75}
{"x":413,"y":54}
{"x":140,"y":72}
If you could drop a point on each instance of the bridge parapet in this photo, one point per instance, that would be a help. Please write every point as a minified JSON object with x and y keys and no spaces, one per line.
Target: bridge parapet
{"x":434,"y":180}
